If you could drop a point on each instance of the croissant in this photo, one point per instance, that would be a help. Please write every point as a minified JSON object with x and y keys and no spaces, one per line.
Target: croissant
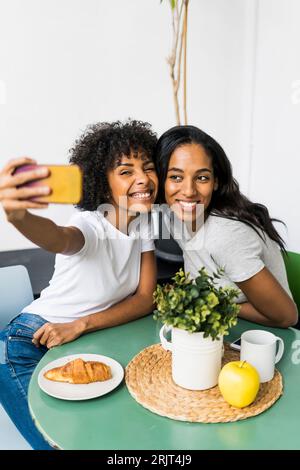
{"x":79,"y":371}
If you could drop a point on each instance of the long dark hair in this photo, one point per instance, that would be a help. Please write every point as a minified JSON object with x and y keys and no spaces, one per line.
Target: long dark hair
{"x":227,"y":200}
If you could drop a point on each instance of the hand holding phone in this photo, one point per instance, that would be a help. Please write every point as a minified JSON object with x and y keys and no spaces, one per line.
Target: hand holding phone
{"x":15,"y":200}
{"x":65,"y":182}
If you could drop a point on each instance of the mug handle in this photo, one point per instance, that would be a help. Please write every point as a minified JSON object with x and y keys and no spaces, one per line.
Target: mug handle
{"x":280,"y":349}
{"x":165,"y":344}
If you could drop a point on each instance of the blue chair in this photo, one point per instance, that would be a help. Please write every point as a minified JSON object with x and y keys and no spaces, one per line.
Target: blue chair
{"x":15,"y":294}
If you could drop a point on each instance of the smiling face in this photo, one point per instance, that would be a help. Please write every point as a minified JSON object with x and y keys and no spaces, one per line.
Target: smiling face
{"x":133,"y":184}
{"x":190,"y":181}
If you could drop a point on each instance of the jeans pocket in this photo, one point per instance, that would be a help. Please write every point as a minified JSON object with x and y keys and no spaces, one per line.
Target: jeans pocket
{"x":21,"y":337}
{"x":21,"y":334}
{"x":21,"y":351}
{"x":28,"y":321}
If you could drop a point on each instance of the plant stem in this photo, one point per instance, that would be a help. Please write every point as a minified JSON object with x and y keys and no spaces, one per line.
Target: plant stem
{"x":174,"y":58}
{"x":185,"y":25}
{"x":179,"y":57}
{"x":173,"y":63}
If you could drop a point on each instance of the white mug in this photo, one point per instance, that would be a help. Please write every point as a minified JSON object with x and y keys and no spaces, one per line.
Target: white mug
{"x":258,"y":347}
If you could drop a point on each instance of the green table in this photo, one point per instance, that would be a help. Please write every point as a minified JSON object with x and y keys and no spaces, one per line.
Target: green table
{"x":117,"y":421}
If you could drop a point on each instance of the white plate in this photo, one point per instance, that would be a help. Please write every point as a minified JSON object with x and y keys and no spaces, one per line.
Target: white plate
{"x":66,"y":391}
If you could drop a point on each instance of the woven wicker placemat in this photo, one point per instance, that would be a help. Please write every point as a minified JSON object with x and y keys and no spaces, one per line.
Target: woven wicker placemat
{"x":149,"y":381}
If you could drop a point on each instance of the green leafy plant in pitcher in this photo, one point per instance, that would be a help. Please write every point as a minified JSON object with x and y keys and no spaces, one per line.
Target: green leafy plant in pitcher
{"x":197,"y":305}
{"x":199,"y":314}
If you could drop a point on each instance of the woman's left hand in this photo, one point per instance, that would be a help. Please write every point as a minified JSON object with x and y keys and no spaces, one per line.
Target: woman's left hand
{"x":55,"y":334}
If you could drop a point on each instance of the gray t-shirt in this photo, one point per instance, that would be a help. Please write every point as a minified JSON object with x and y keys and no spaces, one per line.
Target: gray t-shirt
{"x":233,"y":246}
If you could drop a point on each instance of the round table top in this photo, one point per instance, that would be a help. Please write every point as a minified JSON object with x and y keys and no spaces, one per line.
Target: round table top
{"x":117,"y":421}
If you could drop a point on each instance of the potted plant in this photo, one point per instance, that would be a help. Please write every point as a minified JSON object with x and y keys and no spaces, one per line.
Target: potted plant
{"x":199,"y":314}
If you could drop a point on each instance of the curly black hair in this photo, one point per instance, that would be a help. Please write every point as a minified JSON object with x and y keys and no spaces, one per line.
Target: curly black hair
{"x":101,"y":148}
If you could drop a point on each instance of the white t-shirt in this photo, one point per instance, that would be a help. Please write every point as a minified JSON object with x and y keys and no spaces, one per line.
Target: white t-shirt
{"x":233,"y":246}
{"x":105,"y":271}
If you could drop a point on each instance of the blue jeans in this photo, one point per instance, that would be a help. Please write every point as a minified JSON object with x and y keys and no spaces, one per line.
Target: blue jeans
{"x":18,"y":359}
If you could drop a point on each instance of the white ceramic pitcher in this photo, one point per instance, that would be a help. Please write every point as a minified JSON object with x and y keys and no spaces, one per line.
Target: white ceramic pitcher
{"x":196,"y":361}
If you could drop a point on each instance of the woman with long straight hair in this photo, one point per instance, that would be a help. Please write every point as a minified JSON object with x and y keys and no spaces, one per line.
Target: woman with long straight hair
{"x":223,"y":229}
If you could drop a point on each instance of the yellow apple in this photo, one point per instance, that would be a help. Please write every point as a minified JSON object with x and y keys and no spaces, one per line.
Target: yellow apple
{"x":239,"y":383}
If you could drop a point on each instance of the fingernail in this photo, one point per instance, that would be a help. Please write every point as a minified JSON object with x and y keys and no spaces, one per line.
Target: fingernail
{"x":44,"y":190}
{"x":42,"y":171}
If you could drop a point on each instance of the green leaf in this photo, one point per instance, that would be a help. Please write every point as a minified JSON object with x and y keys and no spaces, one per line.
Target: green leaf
{"x":197,"y":304}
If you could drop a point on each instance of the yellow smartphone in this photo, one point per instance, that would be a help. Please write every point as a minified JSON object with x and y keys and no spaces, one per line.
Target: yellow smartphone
{"x":65,"y":182}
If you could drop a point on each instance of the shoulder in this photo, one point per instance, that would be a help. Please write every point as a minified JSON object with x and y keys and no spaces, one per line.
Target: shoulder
{"x":90,"y":223}
{"x":236,"y":247}
{"x":146,"y":229}
{"x":92,"y":218}
{"x":232,"y":234}
{"x":231,"y":227}
{"x":225,"y":223}
{"x":79,"y":215}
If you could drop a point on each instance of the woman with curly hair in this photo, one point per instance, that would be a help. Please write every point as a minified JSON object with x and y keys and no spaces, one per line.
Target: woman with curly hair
{"x":104,"y":273}
{"x":222,"y":229}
